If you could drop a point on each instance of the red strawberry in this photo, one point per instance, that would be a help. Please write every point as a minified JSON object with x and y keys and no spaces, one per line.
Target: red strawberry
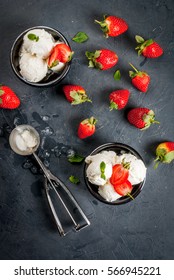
{"x":102,"y":59}
{"x":124,"y":189}
{"x":8,"y":98}
{"x":60,"y":53}
{"x":164,"y":153}
{"x":148,"y":48}
{"x":120,"y":173}
{"x":75,"y":94}
{"x":113,"y":26}
{"x":86,"y":128}
{"x":118,"y":99}
{"x":140,"y":80}
{"x":142,"y":118}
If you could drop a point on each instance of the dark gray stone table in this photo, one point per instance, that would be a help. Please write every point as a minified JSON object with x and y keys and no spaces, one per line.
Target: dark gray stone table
{"x":142,"y":229}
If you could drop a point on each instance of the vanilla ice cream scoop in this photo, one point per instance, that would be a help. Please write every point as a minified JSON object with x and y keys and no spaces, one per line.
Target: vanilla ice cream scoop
{"x":108,"y":192}
{"x":32,"y":68}
{"x":26,"y":140}
{"x":38,"y":42}
{"x":106,"y":156}
{"x":94,"y":172}
{"x":137,"y":170}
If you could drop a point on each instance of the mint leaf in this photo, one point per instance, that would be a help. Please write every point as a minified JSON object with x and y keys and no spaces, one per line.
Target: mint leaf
{"x":33,"y":37}
{"x":74,"y":179}
{"x":80,"y":37}
{"x":76,"y":158}
{"x":102,"y":169}
{"x":117,"y":75}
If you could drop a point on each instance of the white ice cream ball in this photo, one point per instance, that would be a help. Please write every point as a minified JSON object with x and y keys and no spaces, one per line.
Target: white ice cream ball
{"x":25,"y":140}
{"x":137,"y":170}
{"x":41,"y":47}
{"x":106,"y":156}
{"x":108,"y":192}
{"x":93,"y":172}
{"x":32,"y":68}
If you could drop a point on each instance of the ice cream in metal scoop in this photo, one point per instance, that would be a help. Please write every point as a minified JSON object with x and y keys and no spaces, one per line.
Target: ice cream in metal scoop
{"x":24,"y":140}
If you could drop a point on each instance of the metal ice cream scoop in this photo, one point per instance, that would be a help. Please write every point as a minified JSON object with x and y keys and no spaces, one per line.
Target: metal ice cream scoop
{"x":24,"y":140}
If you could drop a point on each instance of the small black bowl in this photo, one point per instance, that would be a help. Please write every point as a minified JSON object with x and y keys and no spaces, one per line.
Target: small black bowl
{"x":116,"y":147}
{"x":50,"y":79}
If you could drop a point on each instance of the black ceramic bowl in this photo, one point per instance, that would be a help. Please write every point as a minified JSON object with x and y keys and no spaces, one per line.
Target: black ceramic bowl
{"x":116,"y":147}
{"x":50,"y":79}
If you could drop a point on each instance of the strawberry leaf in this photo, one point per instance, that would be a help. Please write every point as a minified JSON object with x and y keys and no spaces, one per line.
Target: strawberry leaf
{"x":76,"y":159}
{"x":169,"y":157}
{"x":1,"y":92}
{"x":0,"y":101}
{"x":113,"y":105}
{"x":91,"y":64}
{"x":117,"y":75}
{"x":139,"y":39}
{"x":74,"y":179}
{"x":80,"y":37}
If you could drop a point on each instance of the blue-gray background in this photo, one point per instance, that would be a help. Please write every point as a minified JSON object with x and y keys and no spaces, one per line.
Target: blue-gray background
{"x":142,"y":229}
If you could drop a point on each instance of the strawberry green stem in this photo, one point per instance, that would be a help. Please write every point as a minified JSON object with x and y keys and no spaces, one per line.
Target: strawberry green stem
{"x":133,"y":67}
{"x":97,"y":21}
{"x":128,"y":194}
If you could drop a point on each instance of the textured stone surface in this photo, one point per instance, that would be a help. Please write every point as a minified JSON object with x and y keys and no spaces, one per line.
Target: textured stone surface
{"x":142,"y":229}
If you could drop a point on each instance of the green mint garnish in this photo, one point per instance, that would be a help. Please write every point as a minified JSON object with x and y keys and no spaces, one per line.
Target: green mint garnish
{"x":117,"y":75}
{"x":33,"y":37}
{"x":74,"y":179}
{"x":76,"y":158}
{"x":80,"y":37}
{"x":102,"y":169}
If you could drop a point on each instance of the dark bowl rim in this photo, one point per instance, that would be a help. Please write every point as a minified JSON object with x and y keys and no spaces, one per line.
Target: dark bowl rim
{"x":101,"y":148}
{"x":59,"y":78}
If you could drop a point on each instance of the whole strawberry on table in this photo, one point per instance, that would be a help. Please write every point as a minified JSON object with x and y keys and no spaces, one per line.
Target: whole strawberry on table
{"x":102,"y":59}
{"x":75,"y":94}
{"x":141,"y":118}
{"x":118,"y":99}
{"x":148,"y":48}
{"x":8,"y":99}
{"x":140,"y":79}
{"x":164,"y":153}
{"x":86,"y":128}
{"x":113,"y":26}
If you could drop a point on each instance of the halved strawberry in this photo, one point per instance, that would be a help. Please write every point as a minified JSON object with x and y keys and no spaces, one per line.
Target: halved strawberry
{"x":75,"y":94}
{"x":60,"y":53}
{"x":54,"y":57}
{"x":124,"y":189}
{"x":120,"y":173}
{"x":65,"y":52}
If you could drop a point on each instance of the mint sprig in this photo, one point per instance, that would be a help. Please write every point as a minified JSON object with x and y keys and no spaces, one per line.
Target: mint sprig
{"x":74,"y":179}
{"x":33,"y":37}
{"x":76,"y":158}
{"x":80,"y":37}
{"x":117,"y":75}
{"x":102,"y":169}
